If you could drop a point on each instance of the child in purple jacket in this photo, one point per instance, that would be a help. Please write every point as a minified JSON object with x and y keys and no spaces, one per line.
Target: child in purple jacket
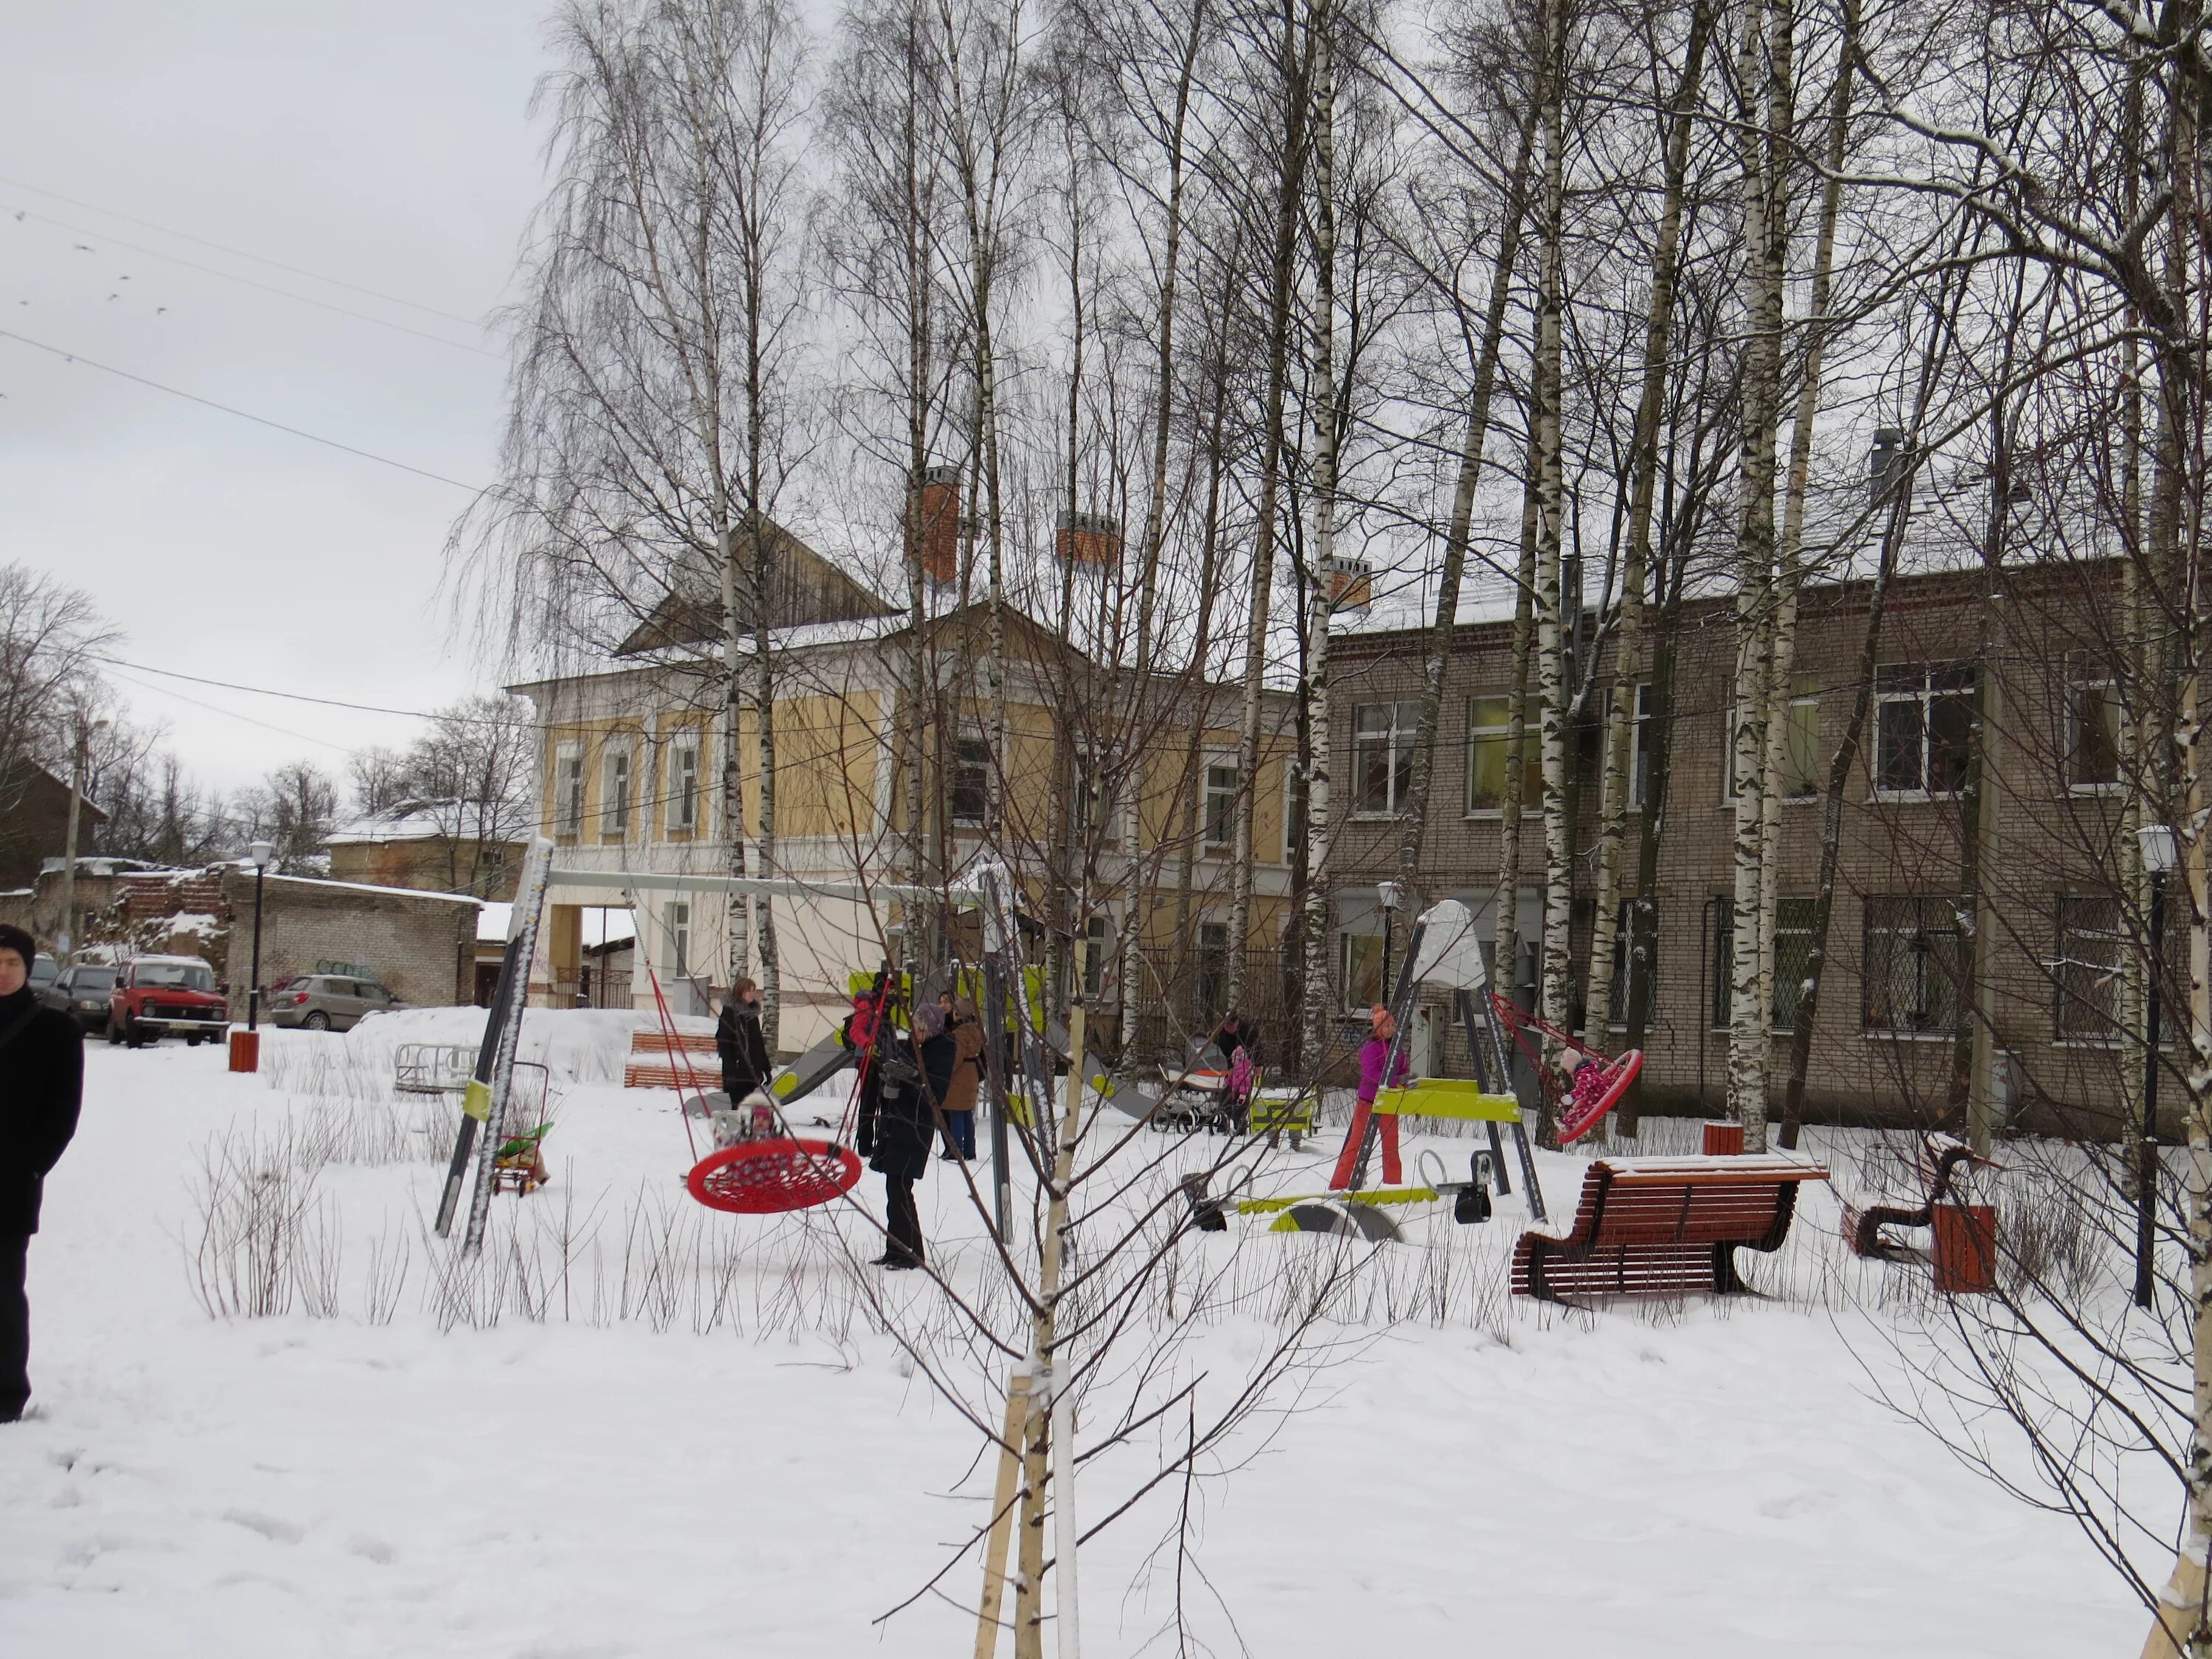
{"x":1373,"y":1054}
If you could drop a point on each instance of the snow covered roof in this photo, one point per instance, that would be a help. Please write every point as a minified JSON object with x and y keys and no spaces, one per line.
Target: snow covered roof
{"x":415,"y":820}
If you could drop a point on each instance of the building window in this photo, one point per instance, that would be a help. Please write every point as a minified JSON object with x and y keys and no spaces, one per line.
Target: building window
{"x":1925,"y":728}
{"x":1090,"y":805}
{"x":1359,"y":970}
{"x":679,"y":935}
{"x":1489,"y":720}
{"x":2092,"y":948}
{"x":569,"y":791}
{"x":2094,"y":732}
{"x":614,"y":794}
{"x":1799,"y":777}
{"x":1616,"y":996}
{"x":971,"y":782}
{"x":1793,"y":952}
{"x":1097,"y":947}
{"x":1914,"y":971}
{"x":1220,"y":805}
{"x":1382,"y":756}
{"x":683,"y":785}
{"x":1793,"y":955}
{"x":1639,"y":750}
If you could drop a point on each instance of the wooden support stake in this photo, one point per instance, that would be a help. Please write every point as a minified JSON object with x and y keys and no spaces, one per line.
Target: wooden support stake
{"x":1002,"y":1515}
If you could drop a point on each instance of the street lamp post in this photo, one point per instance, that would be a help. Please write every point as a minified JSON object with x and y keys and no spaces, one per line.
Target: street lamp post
{"x":245,"y":1045}
{"x":1392,"y":893}
{"x":2158,"y":860}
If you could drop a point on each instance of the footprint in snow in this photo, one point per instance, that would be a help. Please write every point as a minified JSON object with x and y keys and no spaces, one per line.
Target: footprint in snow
{"x":275,"y":1528}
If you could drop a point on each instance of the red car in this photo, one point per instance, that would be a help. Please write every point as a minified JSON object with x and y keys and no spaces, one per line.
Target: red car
{"x":156,"y":997}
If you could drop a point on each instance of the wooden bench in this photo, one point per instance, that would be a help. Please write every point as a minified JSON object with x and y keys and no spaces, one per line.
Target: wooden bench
{"x":1664,"y":1226}
{"x":655,"y":1063}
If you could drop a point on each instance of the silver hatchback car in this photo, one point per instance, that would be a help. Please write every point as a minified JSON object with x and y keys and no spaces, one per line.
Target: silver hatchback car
{"x":328,"y":1002}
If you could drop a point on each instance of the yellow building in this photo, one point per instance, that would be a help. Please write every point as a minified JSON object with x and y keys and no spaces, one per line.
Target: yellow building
{"x":1087,"y":802}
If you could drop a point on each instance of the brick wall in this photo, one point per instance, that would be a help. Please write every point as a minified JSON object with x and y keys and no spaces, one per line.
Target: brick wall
{"x":422,"y":948}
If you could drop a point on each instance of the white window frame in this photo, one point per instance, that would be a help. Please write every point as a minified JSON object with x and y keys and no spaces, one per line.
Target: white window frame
{"x":1090,"y":805}
{"x":569,"y":791}
{"x":1210,"y":846}
{"x":1799,"y":698}
{"x":1923,"y":693}
{"x":1404,"y":726}
{"x":1346,"y":969}
{"x":968,"y":737}
{"x":617,"y":789}
{"x":676,"y":918}
{"x":1500,"y":732}
{"x":684,"y":751}
{"x":1924,"y":907}
{"x":2082,"y":677}
{"x":1098,"y":953}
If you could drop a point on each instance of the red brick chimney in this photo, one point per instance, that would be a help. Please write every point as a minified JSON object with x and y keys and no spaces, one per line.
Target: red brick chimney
{"x":933,"y":532}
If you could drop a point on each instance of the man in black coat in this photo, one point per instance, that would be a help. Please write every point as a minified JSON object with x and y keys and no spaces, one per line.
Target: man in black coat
{"x":41,"y":1084}
{"x":916,"y":1072}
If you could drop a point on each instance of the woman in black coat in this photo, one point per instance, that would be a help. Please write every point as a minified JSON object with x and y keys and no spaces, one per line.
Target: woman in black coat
{"x":738,"y":1040}
{"x":915,"y":1072}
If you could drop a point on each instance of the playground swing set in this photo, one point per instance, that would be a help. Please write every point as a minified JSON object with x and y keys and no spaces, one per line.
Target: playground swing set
{"x":1443,"y":951}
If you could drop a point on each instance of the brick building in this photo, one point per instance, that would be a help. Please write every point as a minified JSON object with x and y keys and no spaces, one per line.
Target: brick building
{"x":34,"y":822}
{"x":421,"y":945}
{"x":439,"y":846}
{"x":2033,"y":653}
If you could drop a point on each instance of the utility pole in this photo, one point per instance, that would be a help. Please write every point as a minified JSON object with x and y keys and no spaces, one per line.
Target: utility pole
{"x":65,"y":935}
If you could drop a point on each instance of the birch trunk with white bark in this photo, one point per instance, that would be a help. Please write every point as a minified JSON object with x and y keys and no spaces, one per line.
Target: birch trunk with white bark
{"x":1618,"y":783}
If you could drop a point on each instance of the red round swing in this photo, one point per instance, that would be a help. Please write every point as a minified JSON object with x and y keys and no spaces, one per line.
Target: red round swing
{"x":766,"y":1177}
{"x":1592,"y":1088}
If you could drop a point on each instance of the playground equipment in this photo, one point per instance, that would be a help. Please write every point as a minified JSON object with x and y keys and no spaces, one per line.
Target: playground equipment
{"x":1962,"y":1234}
{"x":432,"y":1068}
{"x":1442,"y":949}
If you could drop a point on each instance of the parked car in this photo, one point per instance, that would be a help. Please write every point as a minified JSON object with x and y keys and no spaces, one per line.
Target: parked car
{"x":82,"y":993}
{"x":328,"y":1002}
{"x":44,"y":968}
{"x":156,"y":997}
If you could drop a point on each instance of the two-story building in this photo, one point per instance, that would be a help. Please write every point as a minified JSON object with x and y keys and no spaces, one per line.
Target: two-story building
{"x":1112,"y":782}
{"x":2032,"y":653}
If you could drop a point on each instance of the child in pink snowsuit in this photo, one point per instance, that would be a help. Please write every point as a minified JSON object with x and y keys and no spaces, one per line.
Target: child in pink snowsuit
{"x":1373,"y":1054}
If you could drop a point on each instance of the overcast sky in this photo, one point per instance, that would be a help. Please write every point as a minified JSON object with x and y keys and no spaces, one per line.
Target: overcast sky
{"x":387,"y":146}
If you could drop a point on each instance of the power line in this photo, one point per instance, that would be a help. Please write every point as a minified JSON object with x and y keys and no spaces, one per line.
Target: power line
{"x":302,"y":696}
{"x":243,"y":415}
{"x":233,"y":714}
{"x":265,"y":287}
{"x":258,"y":259}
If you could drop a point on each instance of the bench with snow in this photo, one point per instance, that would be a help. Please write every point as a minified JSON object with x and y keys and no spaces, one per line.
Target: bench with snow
{"x":1940,"y":1167}
{"x":1664,"y":1226}
{"x":655,"y":1062}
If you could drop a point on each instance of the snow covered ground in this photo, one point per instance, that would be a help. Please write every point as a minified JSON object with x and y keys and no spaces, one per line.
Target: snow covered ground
{"x":605,"y":1480}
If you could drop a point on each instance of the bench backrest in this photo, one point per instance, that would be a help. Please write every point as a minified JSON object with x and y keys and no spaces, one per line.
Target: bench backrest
{"x":1271,"y":1115}
{"x":1689,"y":1200}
